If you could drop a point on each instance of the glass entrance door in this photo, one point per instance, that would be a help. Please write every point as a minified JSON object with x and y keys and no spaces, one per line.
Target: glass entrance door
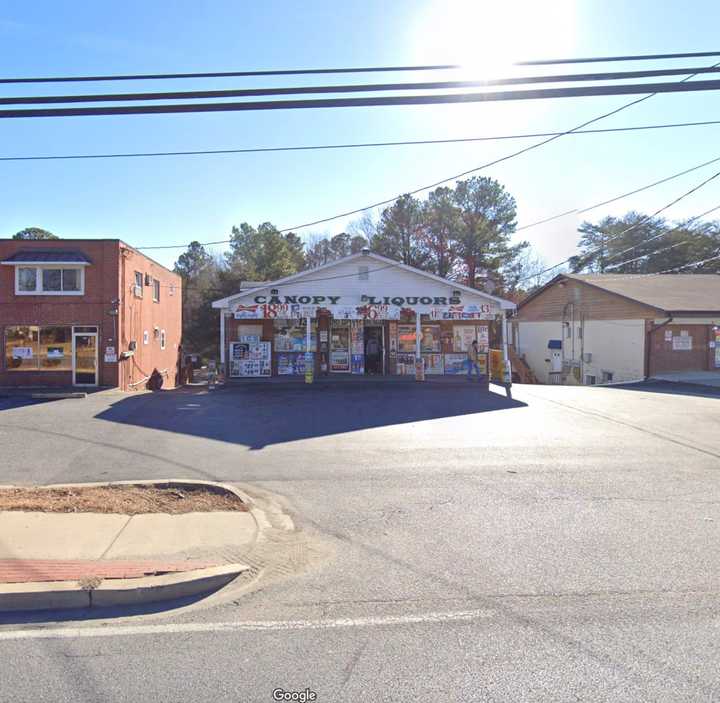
{"x":85,"y":359}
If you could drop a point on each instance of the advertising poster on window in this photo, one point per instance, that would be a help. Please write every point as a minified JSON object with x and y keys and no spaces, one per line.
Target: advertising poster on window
{"x":248,"y":360}
{"x":339,"y":360}
{"x":22,"y":353}
{"x":463,"y":336}
{"x":717,"y":347}
{"x":393,"y":334}
{"x":433,"y":364}
{"x":405,"y":364}
{"x":291,"y":336}
{"x":291,"y":364}
{"x":430,"y":339}
{"x":357,"y":348}
{"x":455,"y":364}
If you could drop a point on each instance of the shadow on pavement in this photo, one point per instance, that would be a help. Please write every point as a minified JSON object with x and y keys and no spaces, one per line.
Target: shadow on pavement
{"x":258,"y":416}
{"x":670,"y":388}
{"x":44,"y":617}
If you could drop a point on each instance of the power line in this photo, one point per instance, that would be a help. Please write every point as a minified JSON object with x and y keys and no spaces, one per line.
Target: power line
{"x":371,"y":101}
{"x":507,"y":157}
{"x":604,"y":59}
{"x":320,"y":71}
{"x":347,"y":88}
{"x":651,"y":253}
{"x":360,"y":145}
{"x":227,"y":74}
{"x":642,"y":220}
{"x":649,"y":217}
{"x":619,"y":197}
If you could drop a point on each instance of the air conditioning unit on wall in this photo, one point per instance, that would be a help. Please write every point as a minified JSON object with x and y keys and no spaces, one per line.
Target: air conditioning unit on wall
{"x":148,"y":279}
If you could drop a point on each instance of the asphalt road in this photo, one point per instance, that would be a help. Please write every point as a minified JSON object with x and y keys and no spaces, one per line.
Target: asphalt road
{"x":455,"y":545}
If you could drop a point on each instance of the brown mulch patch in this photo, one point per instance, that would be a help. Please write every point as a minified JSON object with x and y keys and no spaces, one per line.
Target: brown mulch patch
{"x":126,"y":500}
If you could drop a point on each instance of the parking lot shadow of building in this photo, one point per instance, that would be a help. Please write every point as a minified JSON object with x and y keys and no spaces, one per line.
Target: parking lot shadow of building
{"x":260,"y":416}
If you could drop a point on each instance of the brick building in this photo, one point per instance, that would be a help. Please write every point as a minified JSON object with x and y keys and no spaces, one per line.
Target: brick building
{"x":364,"y":314}
{"x":603,"y":328}
{"x":86,"y":312}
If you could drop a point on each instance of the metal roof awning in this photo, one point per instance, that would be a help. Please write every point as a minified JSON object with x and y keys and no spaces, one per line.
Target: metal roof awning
{"x":47,"y":256}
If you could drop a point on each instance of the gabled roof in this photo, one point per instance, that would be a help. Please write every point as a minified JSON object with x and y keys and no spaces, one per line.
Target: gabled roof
{"x":388,"y":263}
{"x":47,"y":256}
{"x":669,"y":292}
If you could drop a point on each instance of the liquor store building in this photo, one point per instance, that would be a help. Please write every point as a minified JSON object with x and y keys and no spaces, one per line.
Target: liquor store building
{"x":363,"y":314}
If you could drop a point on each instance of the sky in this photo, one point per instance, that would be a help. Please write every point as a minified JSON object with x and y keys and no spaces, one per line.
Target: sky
{"x":174,"y":200}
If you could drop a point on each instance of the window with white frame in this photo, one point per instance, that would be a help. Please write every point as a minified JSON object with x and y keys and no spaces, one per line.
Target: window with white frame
{"x":49,"y":280}
{"x":138,"y":287}
{"x":162,"y":339}
{"x":156,"y":290}
{"x":146,"y":337}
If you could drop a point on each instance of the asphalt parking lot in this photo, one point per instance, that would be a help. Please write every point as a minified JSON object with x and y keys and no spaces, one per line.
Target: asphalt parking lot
{"x":574,"y":529}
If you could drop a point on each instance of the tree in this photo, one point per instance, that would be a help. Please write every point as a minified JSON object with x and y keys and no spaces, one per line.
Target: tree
{"x":191,"y":263}
{"x":398,"y":234}
{"x":486,"y":221}
{"x":525,"y":274}
{"x":636,"y":243}
{"x":613,"y":240}
{"x":440,"y":226}
{"x":264,"y":254}
{"x":200,"y":274}
{"x":34,"y":233}
{"x":364,"y":228}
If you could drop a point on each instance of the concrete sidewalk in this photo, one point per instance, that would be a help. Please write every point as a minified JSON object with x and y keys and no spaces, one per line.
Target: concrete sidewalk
{"x":80,"y":545}
{"x":86,"y":560}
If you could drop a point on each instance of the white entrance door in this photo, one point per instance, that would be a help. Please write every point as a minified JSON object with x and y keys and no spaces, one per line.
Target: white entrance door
{"x":85,"y":358}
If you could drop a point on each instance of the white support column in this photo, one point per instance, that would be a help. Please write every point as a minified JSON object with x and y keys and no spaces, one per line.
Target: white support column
{"x":222,"y":339}
{"x":419,"y":371}
{"x":309,"y":356}
{"x":418,"y":333}
{"x":507,"y":374}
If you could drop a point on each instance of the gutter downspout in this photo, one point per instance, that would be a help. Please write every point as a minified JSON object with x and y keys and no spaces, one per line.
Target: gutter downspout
{"x":648,"y":341}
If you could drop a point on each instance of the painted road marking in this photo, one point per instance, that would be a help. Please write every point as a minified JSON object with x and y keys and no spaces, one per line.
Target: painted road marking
{"x":247,"y":626}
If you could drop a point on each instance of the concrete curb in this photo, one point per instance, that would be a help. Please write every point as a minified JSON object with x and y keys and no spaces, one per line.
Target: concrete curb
{"x":137,"y":591}
{"x":117,"y":592}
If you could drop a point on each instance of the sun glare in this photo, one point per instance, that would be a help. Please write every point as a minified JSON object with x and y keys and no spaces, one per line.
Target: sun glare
{"x":486,"y":38}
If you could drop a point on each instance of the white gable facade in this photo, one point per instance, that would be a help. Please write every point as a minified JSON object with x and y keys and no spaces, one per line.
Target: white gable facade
{"x":364,"y":314}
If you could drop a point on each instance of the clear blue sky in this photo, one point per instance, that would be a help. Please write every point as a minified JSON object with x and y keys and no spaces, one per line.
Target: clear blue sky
{"x":177,"y":199}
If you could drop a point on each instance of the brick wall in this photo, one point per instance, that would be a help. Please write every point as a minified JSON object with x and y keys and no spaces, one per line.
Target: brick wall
{"x":140,"y":314}
{"x":91,"y":308}
{"x":108,"y":282}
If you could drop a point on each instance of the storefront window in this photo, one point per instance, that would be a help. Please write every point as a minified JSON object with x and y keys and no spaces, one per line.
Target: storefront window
{"x":55,"y":350}
{"x":21,"y":348}
{"x":463,"y":336}
{"x":30,"y":348}
{"x":290,"y":335}
{"x":429,"y":339}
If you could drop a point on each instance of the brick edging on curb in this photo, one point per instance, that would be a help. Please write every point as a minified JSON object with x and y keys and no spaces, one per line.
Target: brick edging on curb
{"x":53,"y":595}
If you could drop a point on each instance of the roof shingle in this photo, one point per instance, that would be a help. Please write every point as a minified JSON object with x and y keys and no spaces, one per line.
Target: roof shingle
{"x":47,"y":256}
{"x":673,"y":292}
